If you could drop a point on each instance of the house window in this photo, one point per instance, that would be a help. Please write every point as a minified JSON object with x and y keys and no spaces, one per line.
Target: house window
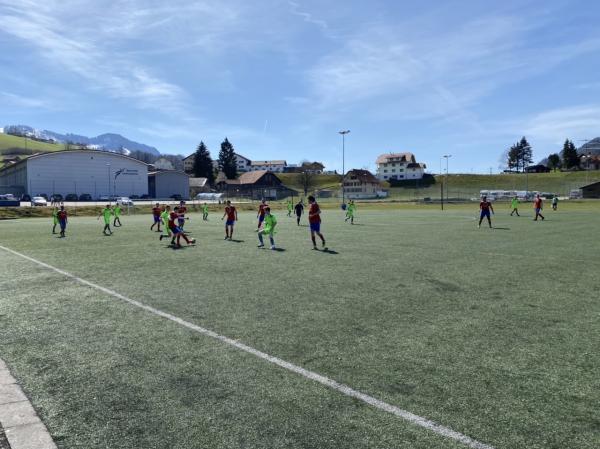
{"x":385,"y":171}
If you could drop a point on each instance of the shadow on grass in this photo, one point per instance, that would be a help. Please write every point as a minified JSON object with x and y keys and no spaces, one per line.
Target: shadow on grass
{"x":279,"y":250}
{"x":501,"y":229}
{"x":237,"y":241}
{"x":357,"y":224}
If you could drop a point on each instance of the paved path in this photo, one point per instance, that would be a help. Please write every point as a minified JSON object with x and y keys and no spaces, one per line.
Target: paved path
{"x":22,"y":427}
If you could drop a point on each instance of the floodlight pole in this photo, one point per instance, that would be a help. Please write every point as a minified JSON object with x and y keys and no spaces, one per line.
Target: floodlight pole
{"x":343,"y":133}
{"x":447,"y":157}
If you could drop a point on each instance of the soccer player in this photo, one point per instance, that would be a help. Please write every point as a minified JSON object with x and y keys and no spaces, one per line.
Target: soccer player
{"x":538,"y":205}
{"x":156,"y":211}
{"x":261,"y":213}
{"x":61,"y":216}
{"x":290,"y":207}
{"x":314,"y":218}
{"x":205,"y":212}
{"x":106,"y":213}
{"x":164,"y":217}
{"x":268,"y":229}
{"x":117,"y":213}
{"x":514,"y":205}
{"x":299,"y":209}
{"x":54,"y":219}
{"x":182,"y":211}
{"x":485,"y":206}
{"x":555,"y":203}
{"x":350,"y":212}
{"x":232,"y":216}
{"x":177,"y":231}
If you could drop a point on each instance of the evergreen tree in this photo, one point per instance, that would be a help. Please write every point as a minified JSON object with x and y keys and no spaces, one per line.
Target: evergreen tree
{"x":514,"y":157}
{"x":526,"y":153}
{"x":203,"y":164}
{"x":554,"y":161}
{"x":227,"y":160}
{"x":569,"y":155}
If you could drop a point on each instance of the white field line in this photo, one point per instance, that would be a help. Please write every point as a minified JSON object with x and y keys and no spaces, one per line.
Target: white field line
{"x":344,"y":389}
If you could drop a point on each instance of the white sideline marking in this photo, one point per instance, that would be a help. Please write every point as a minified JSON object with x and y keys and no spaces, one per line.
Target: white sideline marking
{"x":404,"y":414}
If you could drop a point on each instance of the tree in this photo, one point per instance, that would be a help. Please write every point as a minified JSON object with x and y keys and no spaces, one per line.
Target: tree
{"x":554,"y":161}
{"x":513,"y":157}
{"x":526,"y":153}
{"x":203,"y":164}
{"x":569,"y":155}
{"x":227,"y":160}
{"x":307,"y":179}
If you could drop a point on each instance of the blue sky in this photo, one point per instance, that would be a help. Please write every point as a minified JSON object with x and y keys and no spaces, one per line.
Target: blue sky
{"x":280,"y":78}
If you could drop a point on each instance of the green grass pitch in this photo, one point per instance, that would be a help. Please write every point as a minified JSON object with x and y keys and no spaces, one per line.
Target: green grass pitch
{"x":492,"y":333}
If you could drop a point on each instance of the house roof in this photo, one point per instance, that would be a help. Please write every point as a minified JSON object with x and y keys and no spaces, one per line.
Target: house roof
{"x":592,"y":185}
{"x":162,"y":172}
{"x":363,"y":176}
{"x":251,"y":177}
{"x":198,"y":182}
{"x":416,"y":165}
{"x":405,"y":157}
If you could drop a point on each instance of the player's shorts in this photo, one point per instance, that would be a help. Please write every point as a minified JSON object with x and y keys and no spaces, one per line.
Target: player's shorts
{"x":485,"y":213}
{"x":261,"y":218}
{"x":315,"y":227}
{"x":156,"y":219}
{"x":538,"y":210}
{"x":63,"y":224}
{"x":229,"y":222}
{"x":181,"y":221}
{"x":176,"y":230}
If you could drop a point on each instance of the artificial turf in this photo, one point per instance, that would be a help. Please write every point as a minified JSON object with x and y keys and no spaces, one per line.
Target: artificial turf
{"x":493,"y":333}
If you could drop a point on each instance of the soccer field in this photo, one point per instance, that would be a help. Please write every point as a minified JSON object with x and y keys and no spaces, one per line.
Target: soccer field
{"x":491,"y":333}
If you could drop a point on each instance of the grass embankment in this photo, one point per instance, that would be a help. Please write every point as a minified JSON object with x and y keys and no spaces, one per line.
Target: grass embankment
{"x":318,"y":182}
{"x":11,"y":146}
{"x":467,"y":186}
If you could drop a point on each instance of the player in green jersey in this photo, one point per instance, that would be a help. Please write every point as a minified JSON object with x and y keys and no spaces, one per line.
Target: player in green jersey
{"x":290,"y":207}
{"x":164,"y":217}
{"x":106,"y":214}
{"x":514,"y":204}
{"x":117,"y":213}
{"x":350,"y":212}
{"x":205,"y":212}
{"x":268,"y":228}
{"x":54,"y":219}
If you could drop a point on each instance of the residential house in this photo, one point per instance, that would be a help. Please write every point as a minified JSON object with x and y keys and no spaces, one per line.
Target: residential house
{"x":255,"y":185}
{"x":272,"y":166}
{"x":399,"y":166}
{"x":359,"y":184}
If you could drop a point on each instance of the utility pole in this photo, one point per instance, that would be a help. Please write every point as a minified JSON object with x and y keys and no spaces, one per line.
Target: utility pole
{"x":343,"y":133}
{"x":447,"y":157}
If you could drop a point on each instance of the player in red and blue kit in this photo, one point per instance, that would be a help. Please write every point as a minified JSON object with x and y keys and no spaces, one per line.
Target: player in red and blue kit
{"x":182,"y":211}
{"x":261,"y":213}
{"x":62,"y":220}
{"x":232,"y":216}
{"x":177,"y":231}
{"x":314,"y":219}
{"x":156,"y":211}
{"x":485,"y":207}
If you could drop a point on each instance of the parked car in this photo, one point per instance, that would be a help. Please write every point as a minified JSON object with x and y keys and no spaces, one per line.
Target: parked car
{"x":176,"y":197}
{"x":39,"y":201}
{"x":25,"y":197}
{"x":85,"y":197}
{"x":103,"y":198}
{"x":71,"y":197}
{"x":124,"y":201}
{"x":56,"y":198}
{"x":43,"y":195}
{"x":8,"y":197}
{"x":135,"y":197}
{"x":145,"y":197}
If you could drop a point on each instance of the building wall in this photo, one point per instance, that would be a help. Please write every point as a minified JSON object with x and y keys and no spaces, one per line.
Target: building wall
{"x":14,"y":179}
{"x":86,"y":172}
{"x":171,"y":183}
{"x":398,"y":170}
{"x":272,"y":168}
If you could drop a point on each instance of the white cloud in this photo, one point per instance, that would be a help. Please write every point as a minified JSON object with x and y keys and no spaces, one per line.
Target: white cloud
{"x":437,"y":71}
{"x":554,"y":126}
{"x":10,"y":99}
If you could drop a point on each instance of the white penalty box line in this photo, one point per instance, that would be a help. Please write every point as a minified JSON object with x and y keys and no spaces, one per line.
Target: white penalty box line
{"x":344,"y":389}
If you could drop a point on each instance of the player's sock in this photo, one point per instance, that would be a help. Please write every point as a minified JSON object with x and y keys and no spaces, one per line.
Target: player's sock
{"x":260,"y":239}
{"x":314,"y":240}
